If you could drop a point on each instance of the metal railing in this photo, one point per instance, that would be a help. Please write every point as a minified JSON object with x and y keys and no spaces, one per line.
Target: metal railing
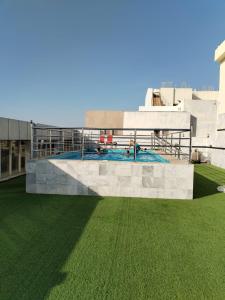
{"x":51,"y":141}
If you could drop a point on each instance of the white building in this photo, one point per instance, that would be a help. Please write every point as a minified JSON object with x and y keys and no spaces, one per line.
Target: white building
{"x":218,"y":155}
{"x":170,"y":107}
{"x":179,"y":107}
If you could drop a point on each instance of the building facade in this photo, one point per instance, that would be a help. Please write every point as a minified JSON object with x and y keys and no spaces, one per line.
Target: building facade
{"x":15,"y":137}
{"x":218,"y":155}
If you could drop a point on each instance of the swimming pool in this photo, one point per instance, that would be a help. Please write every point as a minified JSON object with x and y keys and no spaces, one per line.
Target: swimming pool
{"x":115,"y":155}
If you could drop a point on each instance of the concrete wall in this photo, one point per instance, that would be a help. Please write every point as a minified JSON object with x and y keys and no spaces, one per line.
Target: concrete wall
{"x":11,"y":129}
{"x":108,"y":178}
{"x":148,"y":97}
{"x":170,"y":96}
{"x":220,"y":58}
{"x":104,"y":119}
{"x":218,"y":156}
{"x":161,"y":108}
{"x":222,"y":88}
{"x":167,"y":96}
{"x":157,"y":120}
{"x":204,"y":118}
{"x":182,"y":94}
{"x":205,"y":95}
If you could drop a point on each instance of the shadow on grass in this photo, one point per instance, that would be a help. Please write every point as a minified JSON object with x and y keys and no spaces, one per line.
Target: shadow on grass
{"x":37,"y":234}
{"x":203,"y":186}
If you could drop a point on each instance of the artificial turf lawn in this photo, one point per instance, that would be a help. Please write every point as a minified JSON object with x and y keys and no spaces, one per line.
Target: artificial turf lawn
{"x":66,"y":247}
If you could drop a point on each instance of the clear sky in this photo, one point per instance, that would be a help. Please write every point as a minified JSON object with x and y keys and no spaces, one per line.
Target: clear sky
{"x":59,"y":58}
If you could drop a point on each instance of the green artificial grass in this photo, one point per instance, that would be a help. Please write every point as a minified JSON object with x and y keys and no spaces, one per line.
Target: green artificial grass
{"x":67,"y":247}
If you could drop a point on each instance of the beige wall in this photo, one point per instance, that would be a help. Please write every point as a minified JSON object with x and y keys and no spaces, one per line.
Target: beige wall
{"x":167,"y":96}
{"x":119,"y":119}
{"x":104,"y":119}
{"x":222,"y":87}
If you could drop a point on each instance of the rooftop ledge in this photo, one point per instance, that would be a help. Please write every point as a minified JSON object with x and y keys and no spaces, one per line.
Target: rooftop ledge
{"x":220,"y":52}
{"x":161,"y":108}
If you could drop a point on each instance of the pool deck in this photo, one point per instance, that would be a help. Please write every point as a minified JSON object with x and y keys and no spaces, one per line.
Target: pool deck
{"x":172,"y":159}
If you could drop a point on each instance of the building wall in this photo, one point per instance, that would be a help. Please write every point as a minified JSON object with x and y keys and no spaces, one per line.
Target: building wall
{"x":182,"y":94}
{"x":157,"y":120}
{"x":222,"y":88}
{"x":167,"y":96}
{"x":148,"y":97}
{"x":14,"y":129}
{"x":15,"y":138}
{"x":220,"y":58}
{"x":218,"y":156}
{"x":205,"y":95}
{"x":204,"y":117}
{"x":104,"y":119}
{"x":171,"y":96}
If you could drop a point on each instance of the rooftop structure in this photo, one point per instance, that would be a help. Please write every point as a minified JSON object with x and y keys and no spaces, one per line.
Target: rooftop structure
{"x":173,"y":99}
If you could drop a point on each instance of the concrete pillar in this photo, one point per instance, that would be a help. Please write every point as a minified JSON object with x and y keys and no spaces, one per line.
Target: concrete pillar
{"x":63,"y":141}
{"x":220,"y":58}
{"x":0,"y":159}
{"x":10,"y":158}
{"x":50,"y":142}
{"x":19,"y":156}
{"x":72,"y":140}
{"x":27,"y":151}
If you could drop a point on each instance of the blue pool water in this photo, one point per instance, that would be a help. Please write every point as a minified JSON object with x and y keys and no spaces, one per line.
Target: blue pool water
{"x":115,"y":155}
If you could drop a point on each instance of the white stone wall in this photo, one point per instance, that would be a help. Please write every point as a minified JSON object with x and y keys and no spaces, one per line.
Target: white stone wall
{"x":109,"y":178}
{"x":218,"y":156}
{"x":204,"y":118}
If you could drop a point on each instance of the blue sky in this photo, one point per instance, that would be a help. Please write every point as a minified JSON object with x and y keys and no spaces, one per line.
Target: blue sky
{"x":61,"y":58}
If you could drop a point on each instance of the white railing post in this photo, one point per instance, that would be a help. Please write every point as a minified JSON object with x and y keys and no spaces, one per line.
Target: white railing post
{"x":135,"y":148}
{"x":190,"y":145}
{"x":50,"y":142}
{"x":31,"y":140}
{"x":82,"y":146}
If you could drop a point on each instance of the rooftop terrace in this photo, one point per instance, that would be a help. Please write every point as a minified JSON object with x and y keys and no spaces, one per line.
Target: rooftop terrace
{"x":71,"y":247}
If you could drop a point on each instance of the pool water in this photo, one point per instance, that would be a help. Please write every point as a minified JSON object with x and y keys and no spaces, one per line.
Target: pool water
{"x":115,"y":155}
